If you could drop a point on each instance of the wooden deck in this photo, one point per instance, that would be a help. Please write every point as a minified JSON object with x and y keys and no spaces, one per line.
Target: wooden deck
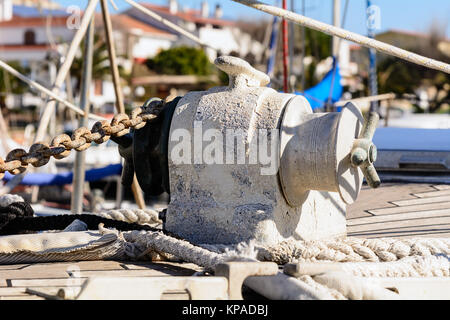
{"x":34,"y":281}
{"x":401,"y":210}
{"x":393,"y":210}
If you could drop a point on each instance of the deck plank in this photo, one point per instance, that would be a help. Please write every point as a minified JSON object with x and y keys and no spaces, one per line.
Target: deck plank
{"x":12,"y":291}
{"x":13,"y":266}
{"x":35,"y":273}
{"x":399,"y":224}
{"x":48,"y":282}
{"x":184,"y":267}
{"x":404,"y":234}
{"x":422,"y":201}
{"x":420,"y":207}
{"x":442,"y":187}
{"x":383,"y":196}
{"x":27,"y":297}
{"x":433,"y":193}
{"x":400,"y":217}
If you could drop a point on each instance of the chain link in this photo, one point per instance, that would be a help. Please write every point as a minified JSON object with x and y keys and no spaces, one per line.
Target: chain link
{"x":39,"y":154}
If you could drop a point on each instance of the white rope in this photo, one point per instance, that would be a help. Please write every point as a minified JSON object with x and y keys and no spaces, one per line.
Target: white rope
{"x":328,"y":280}
{"x":354,"y":288}
{"x":354,"y":250}
{"x":414,"y":266}
{"x":157,"y":241}
{"x":386,"y":96}
{"x":140,"y":216}
{"x":322,"y":290}
{"x":347,"y":35}
{"x":409,"y":258}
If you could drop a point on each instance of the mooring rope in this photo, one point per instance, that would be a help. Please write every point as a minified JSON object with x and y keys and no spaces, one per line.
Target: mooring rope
{"x":412,"y":266}
{"x":354,"y":249}
{"x":413,"y":258}
{"x":139,"y":216}
{"x":334,"y":269}
{"x":17,"y":216}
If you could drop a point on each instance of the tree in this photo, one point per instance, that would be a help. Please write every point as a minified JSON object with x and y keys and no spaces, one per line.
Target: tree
{"x":317,"y":46}
{"x":395,"y":75}
{"x":181,"y":61}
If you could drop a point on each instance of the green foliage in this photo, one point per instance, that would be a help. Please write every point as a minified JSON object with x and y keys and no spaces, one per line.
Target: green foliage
{"x":317,"y":44}
{"x":181,"y":61}
{"x":397,"y":76}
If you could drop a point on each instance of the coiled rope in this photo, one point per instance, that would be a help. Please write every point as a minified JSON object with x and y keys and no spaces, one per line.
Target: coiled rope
{"x":327,"y":267}
{"x":408,"y":258}
{"x":17,"y":216}
{"x":354,"y":250}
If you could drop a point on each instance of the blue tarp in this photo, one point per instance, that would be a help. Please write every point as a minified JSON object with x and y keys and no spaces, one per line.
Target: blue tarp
{"x":48,"y":179}
{"x":318,"y":95}
{"x":272,"y":46}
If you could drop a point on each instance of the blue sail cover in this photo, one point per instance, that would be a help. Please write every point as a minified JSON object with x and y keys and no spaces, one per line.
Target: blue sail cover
{"x":272,"y":47}
{"x":318,"y":95}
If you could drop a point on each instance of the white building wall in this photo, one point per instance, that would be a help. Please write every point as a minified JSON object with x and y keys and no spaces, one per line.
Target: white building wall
{"x":147,"y":47}
{"x":16,"y":35}
{"x":221,"y":39}
{"x":108,"y":94}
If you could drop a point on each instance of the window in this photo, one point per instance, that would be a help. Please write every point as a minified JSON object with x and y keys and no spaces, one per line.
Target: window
{"x":29,"y":37}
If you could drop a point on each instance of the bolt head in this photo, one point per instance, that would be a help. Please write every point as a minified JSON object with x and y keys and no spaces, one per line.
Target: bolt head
{"x":358,"y":156}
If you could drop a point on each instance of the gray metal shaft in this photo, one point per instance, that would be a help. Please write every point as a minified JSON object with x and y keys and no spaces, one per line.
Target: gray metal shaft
{"x":79,"y":165}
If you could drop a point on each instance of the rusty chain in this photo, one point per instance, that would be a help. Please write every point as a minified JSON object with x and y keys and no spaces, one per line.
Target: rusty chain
{"x":39,"y":154}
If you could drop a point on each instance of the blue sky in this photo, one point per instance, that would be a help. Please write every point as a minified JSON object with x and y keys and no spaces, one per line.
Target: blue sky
{"x":411,"y":15}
